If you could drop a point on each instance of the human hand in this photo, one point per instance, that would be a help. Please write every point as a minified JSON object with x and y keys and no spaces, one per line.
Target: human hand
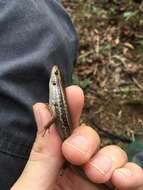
{"x":107,"y":165}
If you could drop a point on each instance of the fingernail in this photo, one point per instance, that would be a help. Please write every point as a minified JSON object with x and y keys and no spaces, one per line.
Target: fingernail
{"x":79,"y":143}
{"x":102,"y":163}
{"x":125,"y":172}
{"x":37,"y":116}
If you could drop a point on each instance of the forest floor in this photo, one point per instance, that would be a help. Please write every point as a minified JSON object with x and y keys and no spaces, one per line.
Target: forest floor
{"x":110,"y":66}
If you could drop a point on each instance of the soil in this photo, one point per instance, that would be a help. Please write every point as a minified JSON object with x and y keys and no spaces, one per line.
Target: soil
{"x":110,"y":66}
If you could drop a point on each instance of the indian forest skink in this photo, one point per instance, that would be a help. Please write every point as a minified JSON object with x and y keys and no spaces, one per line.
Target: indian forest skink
{"x":58,"y":104}
{"x":59,"y":109}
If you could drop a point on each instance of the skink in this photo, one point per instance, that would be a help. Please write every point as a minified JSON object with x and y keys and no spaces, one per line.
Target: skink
{"x":60,"y":111}
{"x":59,"y":108}
{"x":58,"y":104}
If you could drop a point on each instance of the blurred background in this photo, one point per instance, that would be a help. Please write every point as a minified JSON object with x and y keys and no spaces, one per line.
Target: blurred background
{"x":110,"y":66}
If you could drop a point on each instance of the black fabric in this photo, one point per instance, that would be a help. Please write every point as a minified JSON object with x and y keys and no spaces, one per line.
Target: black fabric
{"x":10,"y":169}
{"x":34,"y":35}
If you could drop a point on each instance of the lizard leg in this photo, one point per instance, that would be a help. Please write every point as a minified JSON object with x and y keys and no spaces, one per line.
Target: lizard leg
{"x":52,"y":120}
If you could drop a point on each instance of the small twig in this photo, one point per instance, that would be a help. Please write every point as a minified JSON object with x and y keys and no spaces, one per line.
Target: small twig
{"x":122,"y":60}
{"x":137,"y":84}
{"x":85,"y":54}
{"x":106,"y":133}
{"x":122,"y":91}
{"x":97,"y":49}
{"x":141,"y":7}
{"x":109,"y":56}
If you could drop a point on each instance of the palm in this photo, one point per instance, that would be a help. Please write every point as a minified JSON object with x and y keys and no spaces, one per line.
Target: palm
{"x":69,"y":180}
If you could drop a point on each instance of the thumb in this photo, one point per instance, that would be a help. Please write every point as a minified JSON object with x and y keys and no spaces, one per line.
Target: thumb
{"x":45,"y":158}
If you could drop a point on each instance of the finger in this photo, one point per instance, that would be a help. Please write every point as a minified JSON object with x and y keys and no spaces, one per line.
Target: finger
{"x":81,"y":145}
{"x":100,"y":168}
{"x":45,"y":161}
{"x":42,"y":143}
{"x":75,"y":98}
{"x":140,"y":188}
{"x":128,"y":177}
{"x":42,"y":116}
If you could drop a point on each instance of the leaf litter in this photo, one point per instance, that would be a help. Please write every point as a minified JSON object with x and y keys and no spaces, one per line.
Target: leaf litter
{"x":110,"y":66}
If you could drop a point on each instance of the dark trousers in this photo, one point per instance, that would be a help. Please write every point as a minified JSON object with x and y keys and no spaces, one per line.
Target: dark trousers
{"x":34,"y":35}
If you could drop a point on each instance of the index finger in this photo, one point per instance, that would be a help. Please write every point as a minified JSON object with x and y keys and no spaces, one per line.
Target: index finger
{"x":75,"y":98}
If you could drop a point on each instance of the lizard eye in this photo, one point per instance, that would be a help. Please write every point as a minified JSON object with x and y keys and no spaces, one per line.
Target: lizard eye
{"x":56,"y":72}
{"x":54,"y":83}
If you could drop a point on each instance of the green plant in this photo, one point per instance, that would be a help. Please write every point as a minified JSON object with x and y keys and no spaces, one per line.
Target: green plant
{"x":130,"y":14}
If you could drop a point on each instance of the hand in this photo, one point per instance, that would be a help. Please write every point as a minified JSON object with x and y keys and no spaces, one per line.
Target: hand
{"x":102,"y":166}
